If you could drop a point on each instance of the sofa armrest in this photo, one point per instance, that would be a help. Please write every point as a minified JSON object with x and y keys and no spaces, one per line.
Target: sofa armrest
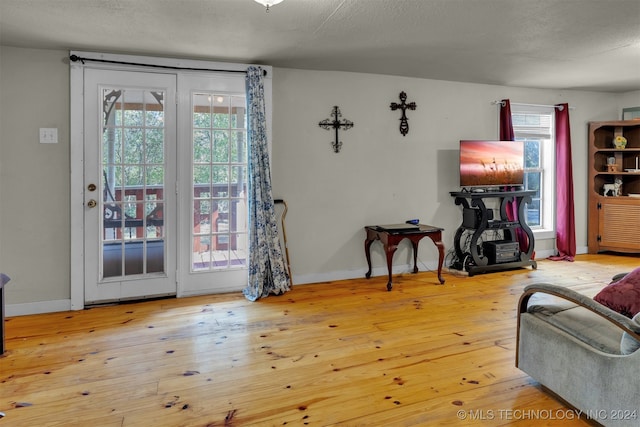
{"x":620,"y":321}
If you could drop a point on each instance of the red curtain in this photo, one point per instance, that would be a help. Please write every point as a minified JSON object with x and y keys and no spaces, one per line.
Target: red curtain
{"x":506,"y":125}
{"x":507,"y":134}
{"x":565,"y":219}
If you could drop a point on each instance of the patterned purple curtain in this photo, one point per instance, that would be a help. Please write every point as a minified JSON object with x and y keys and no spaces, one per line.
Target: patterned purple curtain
{"x":267,"y":270}
{"x":507,"y":134}
{"x":565,"y":219}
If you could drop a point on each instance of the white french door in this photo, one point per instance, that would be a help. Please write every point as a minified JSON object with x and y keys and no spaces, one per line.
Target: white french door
{"x":213,"y":183}
{"x":159,"y":179}
{"x":130,"y":231}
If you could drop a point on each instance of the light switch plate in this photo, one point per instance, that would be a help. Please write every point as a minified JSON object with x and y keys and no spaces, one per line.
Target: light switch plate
{"x":48,"y":135}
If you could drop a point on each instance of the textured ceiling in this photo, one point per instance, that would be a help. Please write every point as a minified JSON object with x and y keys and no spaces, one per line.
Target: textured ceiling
{"x":556,"y":44}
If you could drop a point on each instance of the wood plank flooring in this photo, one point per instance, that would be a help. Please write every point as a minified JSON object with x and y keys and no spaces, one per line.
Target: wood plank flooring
{"x":345,"y":353}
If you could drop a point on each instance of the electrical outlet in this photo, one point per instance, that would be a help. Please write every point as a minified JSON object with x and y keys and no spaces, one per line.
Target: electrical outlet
{"x":48,"y":135}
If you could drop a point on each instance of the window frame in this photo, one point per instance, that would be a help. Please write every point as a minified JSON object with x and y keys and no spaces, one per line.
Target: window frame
{"x":546,"y":229}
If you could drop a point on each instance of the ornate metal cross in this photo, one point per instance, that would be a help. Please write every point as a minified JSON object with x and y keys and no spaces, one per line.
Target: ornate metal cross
{"x":336,"y":124}
{"x":404,"y":125}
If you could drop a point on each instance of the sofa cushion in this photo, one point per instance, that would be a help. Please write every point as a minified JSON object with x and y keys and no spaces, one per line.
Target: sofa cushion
{"x":627,"y":344}
{"x":547,"y":304}
{"x":584,"y":325}
{"x":622,"y":296}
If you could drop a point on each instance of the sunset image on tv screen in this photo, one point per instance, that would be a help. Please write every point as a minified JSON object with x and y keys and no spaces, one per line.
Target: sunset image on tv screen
{"x":491,"y":163}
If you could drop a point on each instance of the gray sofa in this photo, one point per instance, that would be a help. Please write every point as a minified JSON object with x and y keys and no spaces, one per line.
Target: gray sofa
{"x":575,"y":347}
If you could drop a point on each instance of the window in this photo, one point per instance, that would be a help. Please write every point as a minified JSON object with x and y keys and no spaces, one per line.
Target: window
{"x":220,"y":167}
{"x":535,"y":126}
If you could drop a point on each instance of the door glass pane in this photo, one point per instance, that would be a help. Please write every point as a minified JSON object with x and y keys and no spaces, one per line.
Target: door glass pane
{"x":219,"y":236}
{"x":133,"y":166}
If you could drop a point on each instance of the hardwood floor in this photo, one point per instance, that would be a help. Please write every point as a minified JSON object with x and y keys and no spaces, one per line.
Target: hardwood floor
{"x":342,"y":353}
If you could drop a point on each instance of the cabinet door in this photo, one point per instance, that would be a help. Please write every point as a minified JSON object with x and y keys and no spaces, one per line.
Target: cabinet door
{"x":618,"y":224}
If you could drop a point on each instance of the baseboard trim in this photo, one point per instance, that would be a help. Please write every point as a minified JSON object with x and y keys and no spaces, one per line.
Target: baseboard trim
{"x":38,"y":307}
{"x":360,"y":273}
{"x":397,"y":269}
{"x":41,"y":307}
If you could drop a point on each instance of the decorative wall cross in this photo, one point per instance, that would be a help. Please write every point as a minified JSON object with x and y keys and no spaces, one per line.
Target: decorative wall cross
{"x":404,"y":125}
{"x":336,"y":124}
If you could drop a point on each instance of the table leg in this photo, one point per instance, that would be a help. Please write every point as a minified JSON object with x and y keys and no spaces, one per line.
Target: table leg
{"x":415,"y":256}
{"x":440,"y":247}
{"x":390,"y":250}
{"x":367,"y":252}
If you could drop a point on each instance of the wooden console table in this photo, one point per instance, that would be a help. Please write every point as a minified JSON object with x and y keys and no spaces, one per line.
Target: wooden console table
{"x":391,"y":235}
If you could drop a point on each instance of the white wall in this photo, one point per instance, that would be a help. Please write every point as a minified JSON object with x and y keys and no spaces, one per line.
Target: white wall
{"x":629,"y":100}
{"x":381,"y":177}
{"x":378,"y":177}
{"x":34,"y":180}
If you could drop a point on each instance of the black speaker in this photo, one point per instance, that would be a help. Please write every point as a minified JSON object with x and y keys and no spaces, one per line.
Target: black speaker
{"x":472,"y":217}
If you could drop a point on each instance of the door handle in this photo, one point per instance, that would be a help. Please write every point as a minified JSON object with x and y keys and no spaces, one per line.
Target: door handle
{"x":92,"y":203}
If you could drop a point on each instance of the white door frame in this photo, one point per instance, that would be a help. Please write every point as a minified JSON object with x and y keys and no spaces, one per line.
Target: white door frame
{"x":77,"y":140}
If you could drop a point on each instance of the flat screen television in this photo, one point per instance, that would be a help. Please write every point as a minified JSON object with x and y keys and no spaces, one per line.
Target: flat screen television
{"x":488,"y":164}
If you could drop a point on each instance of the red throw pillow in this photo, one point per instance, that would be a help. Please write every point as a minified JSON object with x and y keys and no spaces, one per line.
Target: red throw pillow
{"x":622,"y":296}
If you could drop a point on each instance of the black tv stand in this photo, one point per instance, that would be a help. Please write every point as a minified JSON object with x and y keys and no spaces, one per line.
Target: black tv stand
{"x":499,"y":189}
{"x":503,"y":254}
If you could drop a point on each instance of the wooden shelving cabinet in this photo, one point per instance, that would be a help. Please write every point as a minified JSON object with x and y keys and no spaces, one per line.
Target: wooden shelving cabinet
{"x":614,"y":221}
